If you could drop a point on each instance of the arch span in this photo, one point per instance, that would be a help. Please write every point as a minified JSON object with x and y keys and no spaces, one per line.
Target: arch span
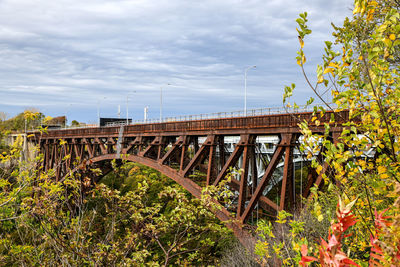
{"x":193,"y":188}
{"x":181,"y":149}
{"x":188,"y":184}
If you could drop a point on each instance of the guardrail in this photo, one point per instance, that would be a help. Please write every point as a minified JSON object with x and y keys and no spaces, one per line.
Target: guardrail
{"x":220,"y":115}
{"x":206,"y":116}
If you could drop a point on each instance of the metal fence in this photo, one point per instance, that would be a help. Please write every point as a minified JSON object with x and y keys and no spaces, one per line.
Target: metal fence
{"x":217,"y":115}
{"x":221,"y":115}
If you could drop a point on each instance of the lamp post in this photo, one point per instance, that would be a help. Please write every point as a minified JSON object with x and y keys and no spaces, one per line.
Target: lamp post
{"x":98,"y":109}
{"x":127,"y":114}
{"x":245,"y":88}
{"x":161,"y":102}
{"x":146,"y":110}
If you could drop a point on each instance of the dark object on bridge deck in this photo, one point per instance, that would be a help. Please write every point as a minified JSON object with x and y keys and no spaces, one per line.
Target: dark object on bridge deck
{"x":105,"y":121}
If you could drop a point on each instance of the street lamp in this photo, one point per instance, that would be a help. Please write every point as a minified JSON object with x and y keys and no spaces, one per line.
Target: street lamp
{"x":98,"y":109}
{"x":127,"y":99}
{"x":245,"y":88}
{"x":146,"y":110}
{"x":161,"y":102}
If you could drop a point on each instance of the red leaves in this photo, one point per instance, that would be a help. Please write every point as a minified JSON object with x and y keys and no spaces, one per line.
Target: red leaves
{"x":330,"y":253}
{"x":304,"y":258}
{"x":377,"y":253}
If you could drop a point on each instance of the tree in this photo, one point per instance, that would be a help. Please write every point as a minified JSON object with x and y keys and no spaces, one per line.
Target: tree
{"x":3,"y":116}
{"x":75,"y":123}
{"x":137,"y":217}
{"x":361,"y":70}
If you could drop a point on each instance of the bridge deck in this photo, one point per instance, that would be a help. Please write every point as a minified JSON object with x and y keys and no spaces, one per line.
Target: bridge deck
{"x":266,"y":124}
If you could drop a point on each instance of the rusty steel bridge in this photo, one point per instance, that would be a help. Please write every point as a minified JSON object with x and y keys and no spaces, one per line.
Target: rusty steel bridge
{"x":183,"y":149}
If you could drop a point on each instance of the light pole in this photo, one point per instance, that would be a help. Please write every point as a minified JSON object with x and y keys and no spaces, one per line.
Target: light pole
{"x":146,"y":110}
{"x":245,"y":88}
{"x":127,"y":99}
{"x":98,"y":109}
{"x":161,"y":102}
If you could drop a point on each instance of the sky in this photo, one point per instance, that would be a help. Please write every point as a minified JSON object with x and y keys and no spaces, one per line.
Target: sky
{"x":78,"y":58}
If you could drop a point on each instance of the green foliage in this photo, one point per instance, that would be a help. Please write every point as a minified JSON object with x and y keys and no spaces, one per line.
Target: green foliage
{"x":29,"y":119}
{"x":75,"y":123}
{"x":279,"y":243}
{"x":137,"y":217}
{"x":363,"y":78}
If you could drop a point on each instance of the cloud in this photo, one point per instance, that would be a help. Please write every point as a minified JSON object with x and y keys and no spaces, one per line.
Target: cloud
{"x":56,"y":54}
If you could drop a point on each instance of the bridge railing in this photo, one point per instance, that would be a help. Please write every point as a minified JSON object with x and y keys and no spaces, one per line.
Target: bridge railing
{"x":250,"y":122}
{"x":217,"y":115}
{"x":232,"y":114}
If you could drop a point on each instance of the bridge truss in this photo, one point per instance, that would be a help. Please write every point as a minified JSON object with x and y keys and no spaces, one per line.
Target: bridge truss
{"x":200,"y":153}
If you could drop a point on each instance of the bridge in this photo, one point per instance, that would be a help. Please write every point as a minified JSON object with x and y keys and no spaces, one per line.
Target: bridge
{"x":201,"y":152}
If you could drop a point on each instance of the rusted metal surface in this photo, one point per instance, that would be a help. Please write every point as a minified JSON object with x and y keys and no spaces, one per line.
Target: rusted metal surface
{"x":174,"y":149}
{"x":255,"y":125}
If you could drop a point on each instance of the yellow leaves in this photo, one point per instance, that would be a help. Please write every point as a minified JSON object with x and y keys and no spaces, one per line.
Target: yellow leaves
{"x":47,"y":119}
{"x":381,"y":169}
{"x":370,"y":14}
{"x":384,"y":176}
{"x":359,"y":7}
{"x":382,"y":28}
{"x":301,"y":42}
{"x":373,"y":3}
{"x":392,"y":37}
{"x":389,"y":82}
{"x":362,"y":163}
{"x":328,"y":70}
{"x":319,"y":169}
{"x":377,"y":121}
{"x":62,"y":142}
{"x":301,"y":61}
{"x":387,"y":42}
{"x":358,"y":153}
{"x":333,"y":65}
{"x":317,"y":211}
{"x":386,"y":54}
{"x":30,"y":115}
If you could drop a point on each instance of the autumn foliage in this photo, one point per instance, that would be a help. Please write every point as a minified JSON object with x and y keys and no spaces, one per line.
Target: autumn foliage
{"x":361,"y":71}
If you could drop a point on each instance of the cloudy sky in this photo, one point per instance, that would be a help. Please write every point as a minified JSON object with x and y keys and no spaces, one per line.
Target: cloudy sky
{"x":71,"y":57}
